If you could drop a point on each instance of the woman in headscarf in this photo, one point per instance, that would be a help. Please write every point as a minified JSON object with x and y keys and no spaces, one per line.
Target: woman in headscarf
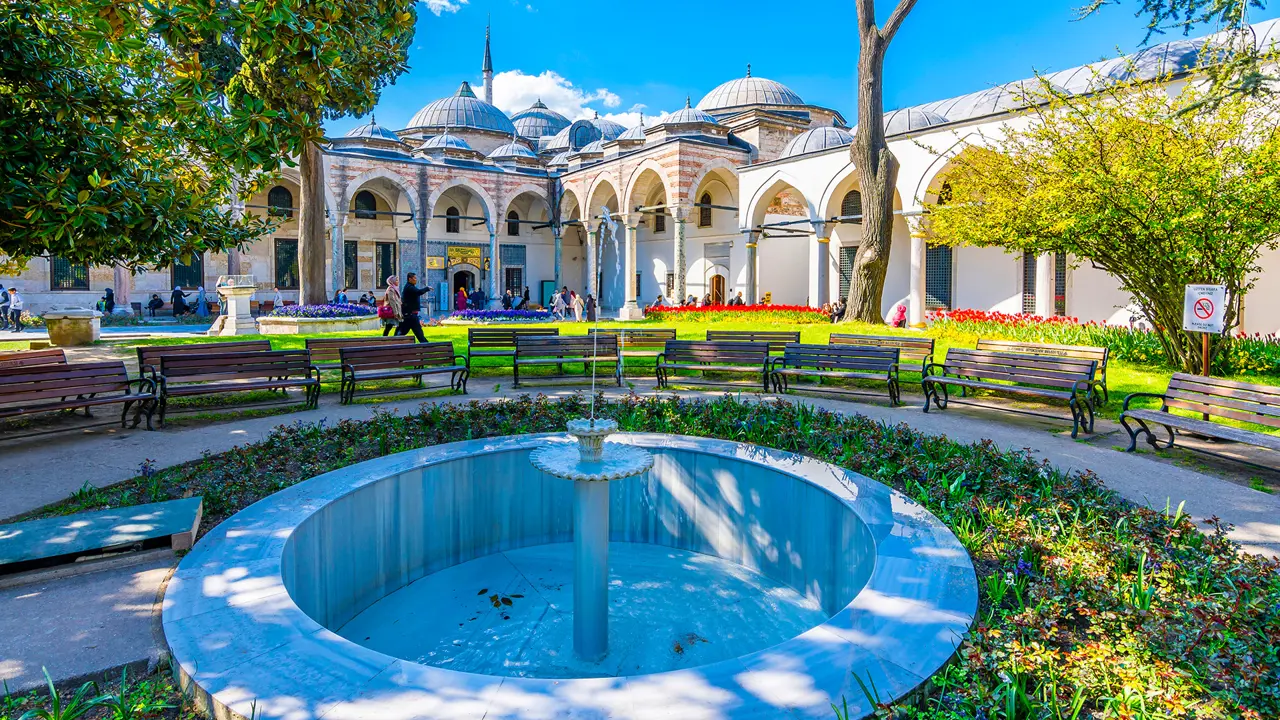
{"x":391,"y":299}
{"x":178,"y":299}
{"x":108,"y":301}
{"x":202,"y":303}
{"x":576,"y":301}
{"x":460,"y":300}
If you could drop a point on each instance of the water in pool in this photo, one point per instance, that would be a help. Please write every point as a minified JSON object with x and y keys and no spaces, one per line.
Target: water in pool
{"x":511,"y":614}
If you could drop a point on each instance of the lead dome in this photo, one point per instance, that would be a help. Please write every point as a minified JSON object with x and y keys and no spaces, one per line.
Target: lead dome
{"x":462,"y":110}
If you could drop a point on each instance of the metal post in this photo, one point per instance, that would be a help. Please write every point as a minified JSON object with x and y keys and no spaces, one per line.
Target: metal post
{"x":591,"y":570}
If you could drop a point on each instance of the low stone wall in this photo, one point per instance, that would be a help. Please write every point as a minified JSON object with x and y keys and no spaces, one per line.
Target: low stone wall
{"x":316,"y":326}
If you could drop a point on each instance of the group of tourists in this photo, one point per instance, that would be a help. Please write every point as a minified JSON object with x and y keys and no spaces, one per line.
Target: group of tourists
{"x":693,"y":301}
{"x":401,"y":307}
{"x":11,"y":305}
{"x":474,"y":300}
{"x":515,"y":300}
{"x":567,"y":302}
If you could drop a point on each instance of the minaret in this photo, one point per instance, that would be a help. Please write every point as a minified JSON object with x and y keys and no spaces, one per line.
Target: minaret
{"x":488,"y":68}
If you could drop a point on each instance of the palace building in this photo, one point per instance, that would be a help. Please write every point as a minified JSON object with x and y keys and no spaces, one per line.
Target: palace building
{"x":750,"y":190}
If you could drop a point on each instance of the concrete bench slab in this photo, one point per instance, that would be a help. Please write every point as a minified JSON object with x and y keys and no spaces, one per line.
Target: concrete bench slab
{"x":35,"y":540}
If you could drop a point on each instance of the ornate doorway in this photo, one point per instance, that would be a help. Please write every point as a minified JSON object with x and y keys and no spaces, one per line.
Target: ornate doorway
{"x":463,"y":279}
{"x":717,"y":290}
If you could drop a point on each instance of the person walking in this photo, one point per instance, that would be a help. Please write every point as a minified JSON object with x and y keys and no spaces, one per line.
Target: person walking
{"x":557,"y":306}
{"x":591,"y":308}
{"x":411,"y":305}
{"x":4,"y":308}
{"x":577,"y":306}
{"x":460,"y":300}
{"x":202,"y":303}
{"x":178,"y":299}
{"x":277,"y":301}
{"x":109,"y":301}
{"x":394,"y":312}
{"x":15,"y":309}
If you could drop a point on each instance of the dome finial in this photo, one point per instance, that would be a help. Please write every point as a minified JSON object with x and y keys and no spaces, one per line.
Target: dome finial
{"x":597,"y":112}
{"x":748,"y":69}
{"x":688,"y":100}
{"x":373,"y":119}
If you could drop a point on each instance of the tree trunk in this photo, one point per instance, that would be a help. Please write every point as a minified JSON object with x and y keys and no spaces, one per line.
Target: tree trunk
{"x":877,"y":167}
{"x":312,"y":243}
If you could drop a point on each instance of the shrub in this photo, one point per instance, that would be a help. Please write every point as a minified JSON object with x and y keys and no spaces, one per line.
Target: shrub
{"x":755,"y":313}
{"x":343,"y":310}
{"x":503,"y":315}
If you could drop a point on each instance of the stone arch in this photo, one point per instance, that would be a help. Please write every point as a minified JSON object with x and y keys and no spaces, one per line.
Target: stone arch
{"x":404,"y":185}
{"x":526,"y":188}
{"x":843,"y":181}
{"x":776,"y":184}
{"x":931,"y":179}
{"x":649,"y":167}
{"x":487,"y":204}
{"x":597,"y":184}
{"x":721,"y":167}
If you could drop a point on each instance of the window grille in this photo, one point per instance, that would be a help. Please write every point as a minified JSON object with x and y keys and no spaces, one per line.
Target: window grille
{"x":671,"y":284}
{"x":1029,"y":283}
{"x":286,"y":264}
{"x":847,"y":254}
{"x":188,"y":276}
{"x":1059,"y":284}
{"x":638,"y":275}
{"x":937,"y":277}
{"x":851,"y":206}
{"x":385,"y":261}
{"x":350,"y":264}
{"x":660,"y":221}
{"x":513,"y":280}
{"x":513,"y":223}
{"x":67,"y":275}
{"x":451,"y":223}
{"x":366,"y":205}
{"x":704,"y":210}
{"x":280,"y":202}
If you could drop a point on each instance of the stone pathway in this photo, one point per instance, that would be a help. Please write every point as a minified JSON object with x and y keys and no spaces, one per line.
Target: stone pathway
{"x":105,"y":623}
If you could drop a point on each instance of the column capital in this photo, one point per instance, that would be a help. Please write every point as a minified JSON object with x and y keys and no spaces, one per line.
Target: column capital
{"x":632,"y":220}
{"x":820,"y":231}
{"x":680,"y":212}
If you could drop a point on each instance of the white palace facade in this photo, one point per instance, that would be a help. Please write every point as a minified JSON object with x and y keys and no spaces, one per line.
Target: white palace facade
{"x":749,"y":190}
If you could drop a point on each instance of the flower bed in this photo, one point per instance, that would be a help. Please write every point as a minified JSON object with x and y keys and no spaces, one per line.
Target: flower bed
{"x":1090,"y":607}
{"x":763,"y":314}
{"x":491,"y":316}
{"x":337,"y":310}
{"x":1246,"y":355}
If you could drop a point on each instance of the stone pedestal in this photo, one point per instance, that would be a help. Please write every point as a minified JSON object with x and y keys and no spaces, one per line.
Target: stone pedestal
{"x":238,"y":321}
{"x":74,"y":326}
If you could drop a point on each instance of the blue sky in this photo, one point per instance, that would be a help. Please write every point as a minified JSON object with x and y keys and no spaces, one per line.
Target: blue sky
{"x":623,"y":58}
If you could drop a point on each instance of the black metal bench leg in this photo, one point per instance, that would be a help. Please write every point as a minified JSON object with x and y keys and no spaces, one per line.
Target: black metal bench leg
{"x":151,"y":410}
{"x":1133,"y":432}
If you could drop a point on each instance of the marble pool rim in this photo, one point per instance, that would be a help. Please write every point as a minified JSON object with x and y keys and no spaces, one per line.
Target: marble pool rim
{"x":240,"y":644}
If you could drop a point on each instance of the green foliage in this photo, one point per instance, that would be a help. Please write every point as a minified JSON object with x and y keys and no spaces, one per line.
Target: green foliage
{"x":1123,"y":181}
{"x":61,"y":708}
{"x":116,"y":149}
{"x":1090,"y":607}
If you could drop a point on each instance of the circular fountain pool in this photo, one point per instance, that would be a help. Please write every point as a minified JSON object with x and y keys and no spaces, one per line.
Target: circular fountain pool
{"x":744,"y":582}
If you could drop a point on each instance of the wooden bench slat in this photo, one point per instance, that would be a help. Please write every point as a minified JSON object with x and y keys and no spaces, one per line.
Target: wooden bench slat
{"x":1207,"y":428}
{"x":731,"y":356}
{"x":376,"y":361}
{"x":187,"y":375}
{"x":590,"y":350}
{"x":326,"y":352}
{"x":35,"y":389}
{"x":1252,"y":403}
{"x":776,"y":339}
{"x":26,"y":358}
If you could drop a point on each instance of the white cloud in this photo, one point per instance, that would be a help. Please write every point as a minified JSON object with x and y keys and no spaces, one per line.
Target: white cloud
{"x":515,"y":90}
{"x":444,"y":6}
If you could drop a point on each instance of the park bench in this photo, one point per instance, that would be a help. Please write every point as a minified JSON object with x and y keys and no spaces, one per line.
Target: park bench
{"x":911,"y":349}
{"x":838,"y":362}
{"x":777,"y":339}
{"x":386,"y":361}
{"x":25,"y":358}
{"x":500,"y":342}
{"x":275,"y":370}
{"x":638,"y":342}
{"x":1080,"y":352}
{"x":35,"y":389}
{"x":724,"y":357}
{"x":149,"y":355}
{"x":326,"y":353}
{"x":1214,"y":397}
{"x":537,"y":350}
{"x":1067,"y":379}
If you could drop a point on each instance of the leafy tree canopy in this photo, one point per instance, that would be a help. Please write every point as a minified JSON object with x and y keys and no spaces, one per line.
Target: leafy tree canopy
{"x":1126,"y":182}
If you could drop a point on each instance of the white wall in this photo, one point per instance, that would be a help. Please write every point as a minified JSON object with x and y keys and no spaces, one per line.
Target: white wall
{"x":986,"y":279}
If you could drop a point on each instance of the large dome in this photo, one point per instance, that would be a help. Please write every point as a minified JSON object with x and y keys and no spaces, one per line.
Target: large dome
{"x":749,"y":91}
{"x":539,"y":121}
{"x":820,"y":138}
{"x":462,"y":111}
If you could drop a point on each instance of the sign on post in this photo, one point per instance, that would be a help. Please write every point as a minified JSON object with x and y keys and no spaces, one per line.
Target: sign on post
{"x":1204,"y":309}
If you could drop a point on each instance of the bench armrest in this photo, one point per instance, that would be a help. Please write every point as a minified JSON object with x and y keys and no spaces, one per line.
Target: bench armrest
{"x":662,"y":357}
{"x":929,"y":366}
{"x":147,"y":381}
{"x":775,"y":363}
{"x":313,"y":370}
{"x":1131,"y":396}
{"x":466,"y":361}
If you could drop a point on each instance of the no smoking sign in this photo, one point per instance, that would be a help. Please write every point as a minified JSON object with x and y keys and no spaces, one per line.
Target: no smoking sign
{"x":1202,"y":309}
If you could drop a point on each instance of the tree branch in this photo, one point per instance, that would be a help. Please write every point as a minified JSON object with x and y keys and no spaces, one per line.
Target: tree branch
{"x":895,"y":19}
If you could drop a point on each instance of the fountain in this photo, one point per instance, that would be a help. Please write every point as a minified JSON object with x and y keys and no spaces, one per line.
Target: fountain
{"x":591,"y":465}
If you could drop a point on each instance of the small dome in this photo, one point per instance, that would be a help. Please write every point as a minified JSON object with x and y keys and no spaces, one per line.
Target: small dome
{"x":749,"y":91}
{"x":539,"y":121}
{"x":445,"y":141}
{"x":635,"y":133}
{"x":609,"y":130}
{"x":992,"y":101}
{"x":910,"y":120}
{"x":512,"y":150}
{"x":463,"y":110}
{"x":595,"y":147}
{"x":821,"y":138}
{"x":687,"y":116}
{"x":373,"y":131}
{"x":560,"y":160}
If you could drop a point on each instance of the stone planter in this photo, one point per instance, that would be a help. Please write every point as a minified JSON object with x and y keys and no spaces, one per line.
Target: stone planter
{"x":73,"y":326}
{"x":315,"y":326}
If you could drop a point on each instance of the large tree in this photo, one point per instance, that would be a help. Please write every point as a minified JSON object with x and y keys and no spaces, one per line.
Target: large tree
{"x":877,"y":166}
{"x":308,"y":61}
{"x":1125,"y":182}
{"x":115,"y":149}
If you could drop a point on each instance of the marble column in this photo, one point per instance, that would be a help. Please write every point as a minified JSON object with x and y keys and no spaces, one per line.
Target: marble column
{"x":336,"y":236}
{"x":559,"y":257}
{"x":823,"y":260}
{"x":752,"y":242}
{"x":916,"y":296}
{"x":123,"y":280}
{"x":593,"y":272}
{"x":630,"y":308}
{"x":681,"y":215}
{"x":495,"y":267}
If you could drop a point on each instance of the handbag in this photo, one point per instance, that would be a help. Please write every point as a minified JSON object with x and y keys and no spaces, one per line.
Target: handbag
{"x":385,"y":312}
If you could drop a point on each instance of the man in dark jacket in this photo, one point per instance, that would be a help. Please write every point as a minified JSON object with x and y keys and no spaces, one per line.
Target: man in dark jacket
{"x":411,"y":305}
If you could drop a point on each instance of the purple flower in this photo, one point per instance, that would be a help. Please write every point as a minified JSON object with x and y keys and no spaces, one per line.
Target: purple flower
{"x":1023,"y":568}
{"x":346,"y":310}
{"x":502,"y":315}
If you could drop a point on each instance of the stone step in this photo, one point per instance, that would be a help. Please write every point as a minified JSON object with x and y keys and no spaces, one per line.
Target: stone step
{"x":52,"y":541}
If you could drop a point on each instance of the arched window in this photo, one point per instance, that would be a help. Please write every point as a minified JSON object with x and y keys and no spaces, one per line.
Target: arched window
{"x":451,"y":223}
{"x":581,"y":136}
{"x":280,"y":202}
{"x":513,"y":223}
{"x":851,"y":206}
{"x":366,"y":205}
{"x":660,"y":220}
{"x":704,"y":210}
